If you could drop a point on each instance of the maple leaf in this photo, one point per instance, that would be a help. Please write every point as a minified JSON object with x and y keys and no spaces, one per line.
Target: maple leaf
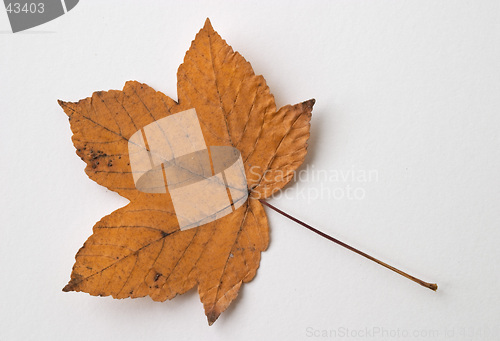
{"x":139,"y":250}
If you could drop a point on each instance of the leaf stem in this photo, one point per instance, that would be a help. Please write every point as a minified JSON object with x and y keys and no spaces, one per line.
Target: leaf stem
{"x":432,"y":286}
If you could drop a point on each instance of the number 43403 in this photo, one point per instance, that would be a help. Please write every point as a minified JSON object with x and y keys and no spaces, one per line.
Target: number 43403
{"x":26,"y":8}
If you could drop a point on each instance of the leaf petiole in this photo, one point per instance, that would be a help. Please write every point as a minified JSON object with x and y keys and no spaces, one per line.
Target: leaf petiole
{"x":432,"y":286}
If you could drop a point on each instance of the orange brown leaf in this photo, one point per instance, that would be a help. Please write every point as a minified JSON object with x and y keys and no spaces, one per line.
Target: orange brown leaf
{"x":140,"y":250}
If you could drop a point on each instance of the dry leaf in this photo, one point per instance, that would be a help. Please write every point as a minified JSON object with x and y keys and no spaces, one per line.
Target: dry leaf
{"x":140,"y":250}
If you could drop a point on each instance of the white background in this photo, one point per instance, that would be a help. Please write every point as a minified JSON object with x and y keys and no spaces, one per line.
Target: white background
{"x":409,"y":89}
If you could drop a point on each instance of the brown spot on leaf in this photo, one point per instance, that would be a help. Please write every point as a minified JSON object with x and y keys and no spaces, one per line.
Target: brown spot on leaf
{"x":157,"y":276}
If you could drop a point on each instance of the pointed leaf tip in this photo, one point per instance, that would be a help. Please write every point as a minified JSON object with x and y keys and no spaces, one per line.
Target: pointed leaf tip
{"x":212,"y":317}
{"x":208,"y":24}
{"x":310,"y":103}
